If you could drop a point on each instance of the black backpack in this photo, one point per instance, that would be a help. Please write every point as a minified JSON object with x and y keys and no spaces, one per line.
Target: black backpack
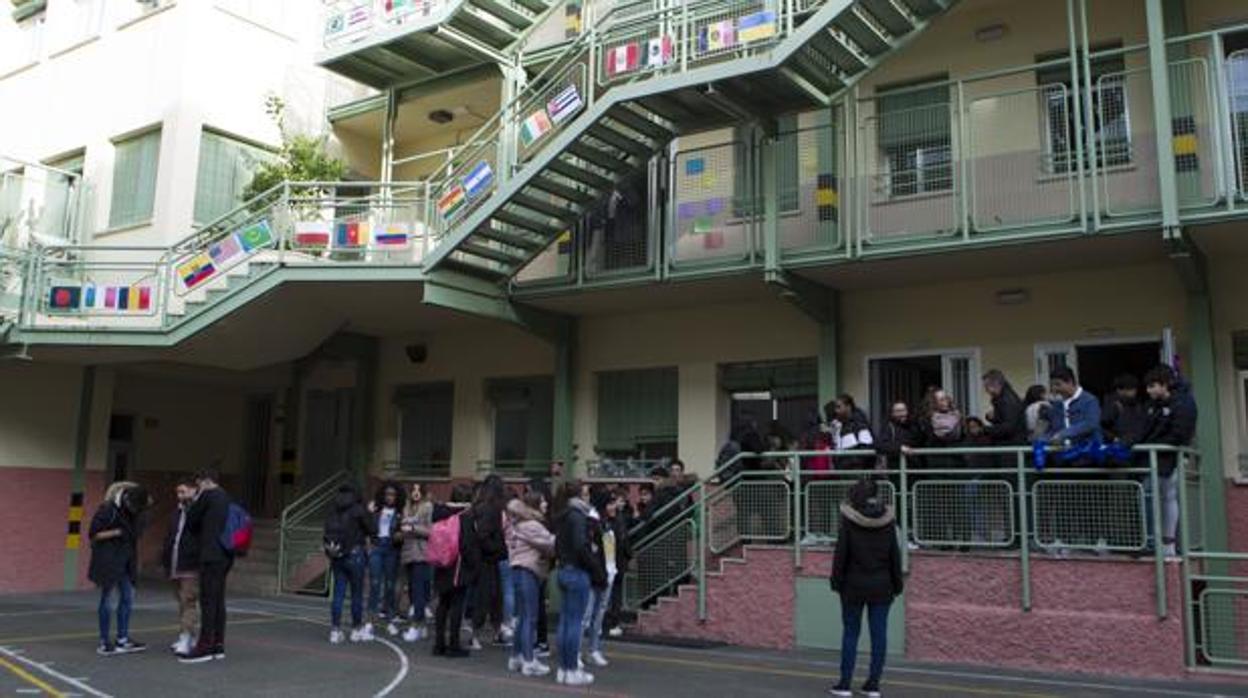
{"x":335,"y":539}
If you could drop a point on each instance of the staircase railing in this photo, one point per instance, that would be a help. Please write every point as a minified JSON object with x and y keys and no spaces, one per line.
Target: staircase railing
{"x":300,"y":533}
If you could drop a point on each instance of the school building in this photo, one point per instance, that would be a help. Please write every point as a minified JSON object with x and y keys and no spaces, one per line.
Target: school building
{"x":604,"y":232}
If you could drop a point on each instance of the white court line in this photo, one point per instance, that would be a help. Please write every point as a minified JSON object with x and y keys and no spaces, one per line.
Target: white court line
{"x":948,"y":673}
{"x":54,"y":673}
{"x":45,"y":612}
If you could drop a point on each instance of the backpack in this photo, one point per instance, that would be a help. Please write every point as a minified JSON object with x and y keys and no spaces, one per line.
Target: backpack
{"x":334,"y":540}
{"x":443,"y":547}
{"x":236,"y":536}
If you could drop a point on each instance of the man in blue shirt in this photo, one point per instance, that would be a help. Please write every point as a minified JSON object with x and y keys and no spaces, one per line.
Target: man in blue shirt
{"x":1075,"y":416}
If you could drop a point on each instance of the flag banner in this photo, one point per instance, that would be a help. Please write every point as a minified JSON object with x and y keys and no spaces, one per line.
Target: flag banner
{"x":350,"y":235}
{"x":392,"y":236}
{"x":110,"y":297}
{"x":827,"y":197}
{"x":196,"y":270}
{"x":397,"y":8}
{"x":65,"y":298}
{"x":225,"y":250}
{"x":624,"y":58}
{"x":572,"y":20}
{"x":659,"y":52}
{"x":145,"y":297}
{"x":694,"y":167}
{"x":450,"y":202}
{"x":478,"y":181}
{"x":713,"y":240}
{"x":565,"y":105}
{"x":91,"y":297}
{"x":756,"y":27}
{"x":534,"y":127}
{"x":707,"y":208}
{"x":703,"y":225}
{"x":717,"y":36}
{"x":312,"y":235}
{"x":255,"y":236}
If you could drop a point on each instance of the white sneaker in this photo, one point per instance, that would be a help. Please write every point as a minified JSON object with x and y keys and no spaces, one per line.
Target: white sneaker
{"x":597,"y":659}
{"x":357,"y":635}
{"x":514,"y":663}
{"x":578,"y":678}
{"x":428,"y":614}
{"x":412,"y":634}
{"x":580,"y":663}
{"x":335,"y":637}
{"x":534,"y":668}
{"x":507,"y":634}
{"x":561,"y":676}
{"x":617,"y":631}
{"x":183,"y":644}
{"x":392,"y":629}
{"x":475,"y":645}
{"x":366,"y":633}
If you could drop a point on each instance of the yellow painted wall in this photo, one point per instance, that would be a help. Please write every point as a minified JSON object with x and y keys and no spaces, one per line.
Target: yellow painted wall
{"x":1230,"y":314}
{"x":39,"y":415}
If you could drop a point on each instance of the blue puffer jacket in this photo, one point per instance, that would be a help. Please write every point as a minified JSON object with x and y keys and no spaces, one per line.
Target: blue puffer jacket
{"x":1079,"y":424}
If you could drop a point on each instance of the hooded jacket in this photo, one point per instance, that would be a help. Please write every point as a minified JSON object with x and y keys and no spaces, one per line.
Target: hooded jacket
{"x":417,"y":523}
{"x":529,"y":544}
{"x":867,"y":563}
{"x":572,"y":544}
{"x":1008,"y":425}
{"x":180,"y":541}
{"x":1171,"y":423}
{"x":354,"y":521}
{"x":113,"y":559}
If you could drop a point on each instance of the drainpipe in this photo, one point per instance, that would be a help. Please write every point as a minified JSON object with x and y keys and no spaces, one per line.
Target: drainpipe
{"x":1162,"y":119}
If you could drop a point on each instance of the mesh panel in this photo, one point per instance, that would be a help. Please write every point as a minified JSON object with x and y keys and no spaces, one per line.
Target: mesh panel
{"x":822,"y":505}
{"x":977,"y":513}
{"x":1090,"y":514}
{"x":1224,"y":625}
{"x":709,"y":220}
{"x":660,"y":563}
{"x":1237,"y":87}
{"x":305,"y":565}
{"x":749,"y":511}
{"x":810,"y":211}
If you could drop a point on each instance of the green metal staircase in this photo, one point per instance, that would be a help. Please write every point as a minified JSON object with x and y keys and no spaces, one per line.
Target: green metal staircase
{"x":617,"y":96}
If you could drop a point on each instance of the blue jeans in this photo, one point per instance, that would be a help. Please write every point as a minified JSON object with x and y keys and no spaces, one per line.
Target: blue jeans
{"x":383,"y":571}
{"x":125,"y":600}
{"x":574,"y":585}
{"x":526,"y":588}
{"x":851,"y":619}
{"x":509,"y":590}
{"x":419,"y":580}
{"x":348,"y":569}
{"x":598,"y":602}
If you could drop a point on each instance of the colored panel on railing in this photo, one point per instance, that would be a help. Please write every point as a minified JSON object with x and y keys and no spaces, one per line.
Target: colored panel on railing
{"x":756,"y":27}
{"x":312,"y":236}
{"x":717,"y":36}
{"x":196,"y":270}
{"x":565,"y":105}
{"x":92,"y":299}
{"x":223,"y":254}
{"x":659,"y":52}
{"x":392,"y":236}
{"x":350,"y":235}
{"x":348,"y":21}
{"x":827,"y":197}
{"x":534,"y":127}
{"x":622,"y":59}
{"x":65,"y":298}
{"x":225,"y":250}
{"x":396,"y":10}
{"x":479,"y":180}
{"x":255,"y":236}
{"x":450,"y":202}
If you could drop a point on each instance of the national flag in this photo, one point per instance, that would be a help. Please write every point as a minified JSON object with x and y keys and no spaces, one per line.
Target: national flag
{"x":713,"y":240}
{"x":703,"y":225}
{"x":224,"y":250}
{"x":135,"y":297}
{"x":572,"y":20}
{"x":110,"y":297}
{"x":392,"y":236}
{"x":563,"y":244}
{"x":534,"y":127}
{"x":255,"y":236}
{"x":478,"y":180}
{"x":756,"y":27}
{"x":123,"y":298}
{"x":195,"y":270}
{"x":564,"y":105}
{"x":145,"y":297}
{"x":359,"y":16}
{"x":827,"y":198}
{"x":451,"y":201}
{"x":336,"y":24}
{"x":65,"y":297}
{"x":659,"y":52}
{"x":312,"y":235}
{"x":350,"y":234}
{"x":624,"y":58}
{"x":717,"y":36}
{"x":89,"y":296}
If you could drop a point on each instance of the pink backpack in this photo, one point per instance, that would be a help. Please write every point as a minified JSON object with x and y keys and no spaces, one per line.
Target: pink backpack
{"x":443,"y":547}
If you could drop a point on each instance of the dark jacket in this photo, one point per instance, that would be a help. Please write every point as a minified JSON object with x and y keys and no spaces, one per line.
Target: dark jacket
{"x":1124,"y":420}
{"x":396,"y":524}
{"x":114,"y":558}
{"x":893,"y":436}
{"x":187,"y":544}
{"x":1173,"y":423}
{"x":1083,"y":423}
{"x":353,"y":519}
{"x":573,"y":547}
{"x":867,"y":564}
{"x":623,"y":546}
{"x":1008,"y":425}
{"x":465,"y":572}
{"x":489,"y":529}
{"x":597,"y":573}
{"x":206,"y":521}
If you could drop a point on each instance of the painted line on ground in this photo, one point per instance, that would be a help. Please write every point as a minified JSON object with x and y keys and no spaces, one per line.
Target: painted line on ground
{"x":402,"y":673}
{"x":39,"y":685}
{"x":92,"y":634}
{"x":80,"y":685}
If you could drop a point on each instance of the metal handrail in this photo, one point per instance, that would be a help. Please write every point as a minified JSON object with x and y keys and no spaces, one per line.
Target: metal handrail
{"x":299,"y":510}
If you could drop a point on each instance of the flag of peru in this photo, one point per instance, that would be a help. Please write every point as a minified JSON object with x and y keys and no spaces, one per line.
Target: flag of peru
{"x":624,"y":58}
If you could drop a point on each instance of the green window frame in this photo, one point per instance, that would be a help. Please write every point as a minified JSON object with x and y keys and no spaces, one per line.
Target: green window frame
{"x":637,"y":409}
{"x":426,"y":414}
{"x":226,"y":166}
{"x":914,"y":136}
{"x":136,"y":161}
{"x":1111,"y":116}
{"x":746,"y":202}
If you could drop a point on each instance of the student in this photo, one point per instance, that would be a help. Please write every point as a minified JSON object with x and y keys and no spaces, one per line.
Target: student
{"x":347,"y":529}
{"x":1125,"y":416}
{"x":645,"y":501}
{"x":621,"y":524}
{"x":898,"y":436}
{"x":1171,"y":422}
{"x":530,"y":546}
{"x":1036,"y":408}
{"x":487,"y":512}
{"x":207,"y":520}
{"x":180,"y":558}
{"x":576,"y":560}
{"x":1075,"y":416}
{"x":1006,"y":424}
{"x":603,"y":512}
{"x":851,"y":432}
{"x":383,"y":558}
{"x":417,"y":519}
{"x":114,"y":534}
{"x":866,"y":572}
{"x":452,"y":582}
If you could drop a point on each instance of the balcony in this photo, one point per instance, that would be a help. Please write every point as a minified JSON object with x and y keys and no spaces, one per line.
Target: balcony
{"x":385,"y":42}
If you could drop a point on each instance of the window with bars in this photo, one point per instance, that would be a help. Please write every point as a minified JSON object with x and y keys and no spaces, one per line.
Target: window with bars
{"x":637,"y":411}
{"x":226,"y":166}
{"x":135,"y":163}
{"x":913,"y":134}
{"x":1110,"y":121}
{"x":426,"y":414}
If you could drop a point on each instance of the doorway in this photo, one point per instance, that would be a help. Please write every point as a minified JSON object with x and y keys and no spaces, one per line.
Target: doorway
{"x":1097,"y":364}
{"x":257,"y":454}
{"x":783,"y":392}
{"x":327,"y":435}
{"x":908,"y":377}
{"x":120,"y":446}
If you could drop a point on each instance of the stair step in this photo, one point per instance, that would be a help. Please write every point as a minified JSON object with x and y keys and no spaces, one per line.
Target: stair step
{"x":515,"y":239}
{"x":459,"y":265}
{"x":494,"y":254}
{"x":639,"y":123}
{"x":532,"y":203}
{"x":515,"y":15}
{"x":512,"y":218}
{"x":570,"y":194}
{"x":925,"y":8}
{"x":889,"y":15}
{"x":620,"y":142}
{"x":842,"y":53}
{"x":581,"y":174}
{"x":599,"y":157}
{"x":537,"y":7}
{"x":863,"y":32}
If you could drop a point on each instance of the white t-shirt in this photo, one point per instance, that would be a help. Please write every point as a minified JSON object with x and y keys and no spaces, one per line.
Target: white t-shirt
{"x":385,"y":522}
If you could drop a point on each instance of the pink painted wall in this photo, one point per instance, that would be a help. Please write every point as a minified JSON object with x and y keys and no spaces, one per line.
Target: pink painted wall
{"x":1237,"y":516}
{"x":34,"y":506}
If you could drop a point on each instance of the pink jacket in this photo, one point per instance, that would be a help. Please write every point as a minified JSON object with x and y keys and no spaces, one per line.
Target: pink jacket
{"x":529,"y":544}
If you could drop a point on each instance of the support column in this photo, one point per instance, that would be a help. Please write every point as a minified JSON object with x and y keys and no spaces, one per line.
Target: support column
{"x":78,"y":480}
{"x":769,"y":173}
{"x":387,"y":135}
{"x":1201,"y":370}
{"x":830,"y":350}
{"x":563,"y":446}
{"x":1162,"y":118}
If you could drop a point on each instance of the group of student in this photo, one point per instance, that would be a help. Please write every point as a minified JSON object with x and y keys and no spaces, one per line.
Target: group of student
{"x":487,"y":554}
{"x":196,"y":559}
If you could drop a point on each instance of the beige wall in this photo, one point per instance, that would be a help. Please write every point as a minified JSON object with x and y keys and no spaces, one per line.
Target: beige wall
{"x":39,"y":415}
{"x":1230,"y":314}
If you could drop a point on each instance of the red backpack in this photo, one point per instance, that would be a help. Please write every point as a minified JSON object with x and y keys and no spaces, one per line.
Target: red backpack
{"x":443,"y":547}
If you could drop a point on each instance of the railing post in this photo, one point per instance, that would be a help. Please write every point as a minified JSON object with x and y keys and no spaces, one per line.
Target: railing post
{"x":1185,"y":517}
{"x":701,"y":543}
{"x":904,"y":504}
{"x":283,"y":204}
{"x":1024,"y":534}
{"x":795,"y":520}
{"x":1159,"y":553}
{"x":960,"y":159}
{"x":686,"y":38}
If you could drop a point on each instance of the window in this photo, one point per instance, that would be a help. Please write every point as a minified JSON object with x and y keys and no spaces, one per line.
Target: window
{"x":26,"y":42}
{"x":637,"y":412}
{"x":909,"y":377}
{"x":61,"y":192}
{"x":425,"y":420}
{"x":226,"y":166}
{"x":913,"y":134}
{"x":135,"y":160}
{"x":524,"y":410}
{"x":1236,"y":47}
{"x":745,"y":201}
{"x":1110,"y":119}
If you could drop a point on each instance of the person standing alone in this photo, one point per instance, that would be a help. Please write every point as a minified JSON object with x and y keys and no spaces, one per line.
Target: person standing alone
{"x":207,"y":521}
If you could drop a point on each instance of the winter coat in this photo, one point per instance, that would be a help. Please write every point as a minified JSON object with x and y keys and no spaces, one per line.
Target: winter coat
{"x":187,"y":546}
{"x":893,"y":436}
{"x":623,"y":546}
{"x":417,"y":525}
{"x":1008,"y":425}
{"x":395,"y":535}
{"x":598,"y":576}
{"x":114,"y":558}
{"x":489,"y":521}
{"x":206,"y":520}
{"x":1173,"y":423}
{"x":529,"y":544}
{"x":1124,"y":420}
{"x":352,"y":519}
{"x":573,"y":547}
{"x":1079,"y":424}
{"x":867,"y":563}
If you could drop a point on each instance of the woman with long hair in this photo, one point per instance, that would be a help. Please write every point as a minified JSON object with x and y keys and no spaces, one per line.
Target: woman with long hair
{"x":487,"y":511}
{"x":576,"y":566}
{"x":417,"y":522}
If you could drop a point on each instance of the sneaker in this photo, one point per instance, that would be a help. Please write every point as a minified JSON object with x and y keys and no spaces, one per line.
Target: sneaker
{"x":335,"y":637}
{"x":580,"y":663}
{"x":597,"y":659}
{"x":579,"y":677}
{"x":514,"y":663}
{"x":357,"y":635}
{"x":218,"y":652}
{"x":106,"y":649}
{"x":534,"y":668}
{"x":428,"y":614}
{"x":366,"y":633}
{"x":871,"y":689}
{"x":1171,"y":551}
{"x":617,"y":631}
{"x":183,"y":645}
{"x":475,"y":645}
{"x":561,"y":676}
{"x":392,"y":629}
{"x":841,"y":690}
{"x":506,"y":635}
{"x":127,"y":646}
{"x":541,"y":651}
{"x":412,"y":634}
{"x":199,"y":655}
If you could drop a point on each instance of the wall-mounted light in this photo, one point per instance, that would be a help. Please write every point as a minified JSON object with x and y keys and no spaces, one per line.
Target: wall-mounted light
{"x":1012,"y":296}
{"x":441,"y":116}
{"x":992,"y":32}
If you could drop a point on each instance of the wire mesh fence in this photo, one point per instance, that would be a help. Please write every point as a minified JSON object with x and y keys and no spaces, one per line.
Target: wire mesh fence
{"x":1098,"y":515}
{"x":969,"y":512}
{"x":712,"y":203}
{"x":749,"y":511}
{"x":1237,"y":91}
{"x":821,"y":508}
{"x":1224,"y":624}
{"x":660,"y":563}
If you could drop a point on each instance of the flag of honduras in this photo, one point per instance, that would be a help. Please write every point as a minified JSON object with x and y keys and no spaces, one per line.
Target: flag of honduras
{"x":478,"y":180}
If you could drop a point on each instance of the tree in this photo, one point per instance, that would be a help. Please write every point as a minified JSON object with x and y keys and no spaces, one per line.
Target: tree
{"x":300,"y":159}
